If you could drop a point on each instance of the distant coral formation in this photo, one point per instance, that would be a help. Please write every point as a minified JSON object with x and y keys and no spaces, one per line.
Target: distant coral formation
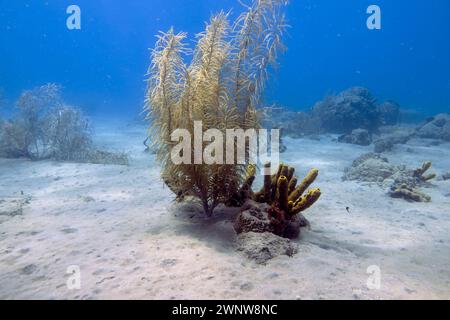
{"x":222,"y":87}
{"x":408,"y":193}
{"x":26,"y":134}
{"x":354,"y":108}
{"x":401,"y":182}
{"x":46,"y":128}
{"x":1,"y":97}
{"x":351,"y":109}
{"x":437,"y":127}
{"x":261,"y":247}
{"x":360,"y":137}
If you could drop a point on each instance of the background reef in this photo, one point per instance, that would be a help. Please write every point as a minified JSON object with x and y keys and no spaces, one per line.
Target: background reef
{"x":384,"y":175}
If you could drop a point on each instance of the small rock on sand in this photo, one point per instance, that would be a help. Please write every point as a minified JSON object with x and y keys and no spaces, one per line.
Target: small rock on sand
{"x":69,"y":230}
{"x":168,"y":262}
{"x":261,"y":247}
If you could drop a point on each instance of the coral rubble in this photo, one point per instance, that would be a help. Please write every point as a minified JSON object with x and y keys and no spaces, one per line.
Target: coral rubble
{"x":408,"y":193}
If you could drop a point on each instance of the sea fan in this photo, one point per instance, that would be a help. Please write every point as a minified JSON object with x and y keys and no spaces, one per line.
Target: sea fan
{"x":221,"y":87}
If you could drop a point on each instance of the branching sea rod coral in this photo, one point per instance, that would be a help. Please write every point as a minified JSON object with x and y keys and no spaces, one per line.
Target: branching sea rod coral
{"x":221,"y":87}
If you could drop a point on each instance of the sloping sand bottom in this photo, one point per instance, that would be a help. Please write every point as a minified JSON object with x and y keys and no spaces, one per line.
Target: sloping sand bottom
{"x":119,"y":225}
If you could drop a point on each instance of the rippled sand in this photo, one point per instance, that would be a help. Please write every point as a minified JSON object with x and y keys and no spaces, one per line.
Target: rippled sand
{"x":119,"y":225}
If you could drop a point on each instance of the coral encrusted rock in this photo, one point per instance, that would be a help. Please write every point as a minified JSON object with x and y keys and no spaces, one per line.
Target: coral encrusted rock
{"x":261,"y":247}
{"x":408,"y":193}
{"x":255,"y":217}
{"x":404,"y":183}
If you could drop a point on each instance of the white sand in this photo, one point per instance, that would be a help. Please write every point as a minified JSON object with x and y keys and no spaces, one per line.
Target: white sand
{"x":120,"y":226}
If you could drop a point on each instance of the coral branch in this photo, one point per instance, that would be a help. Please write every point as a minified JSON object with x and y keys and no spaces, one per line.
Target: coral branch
{"x":307,"y":181}
{"x":280,"y":204}
{"x":420,"y":172}
{"x":306,"y":201}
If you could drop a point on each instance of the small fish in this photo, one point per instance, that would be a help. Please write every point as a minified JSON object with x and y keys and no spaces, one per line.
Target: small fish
{"x":348,"y":209}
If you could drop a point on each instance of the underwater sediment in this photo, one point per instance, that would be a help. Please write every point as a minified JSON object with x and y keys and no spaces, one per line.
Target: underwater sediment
{"x":112,"y":205}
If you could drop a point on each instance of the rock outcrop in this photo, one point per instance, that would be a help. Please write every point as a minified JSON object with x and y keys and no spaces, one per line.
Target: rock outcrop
{"x":437,"y":127}
{"x":351,"y":109}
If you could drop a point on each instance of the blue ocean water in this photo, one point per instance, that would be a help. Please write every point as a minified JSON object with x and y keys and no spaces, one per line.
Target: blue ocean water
{"x":102,"y":66}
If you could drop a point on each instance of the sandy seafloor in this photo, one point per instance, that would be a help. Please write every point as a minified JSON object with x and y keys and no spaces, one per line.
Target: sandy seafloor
{"x":120,"y":226}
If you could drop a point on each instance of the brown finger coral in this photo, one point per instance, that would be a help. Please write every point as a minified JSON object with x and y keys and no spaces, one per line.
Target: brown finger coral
{"x":281,"y":190}
{"x":407,"y":188}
